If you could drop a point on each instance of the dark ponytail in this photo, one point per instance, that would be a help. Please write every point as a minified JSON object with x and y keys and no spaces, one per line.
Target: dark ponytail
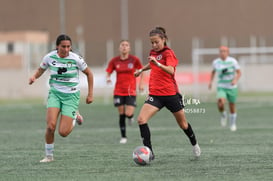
{"x":161,"y":32}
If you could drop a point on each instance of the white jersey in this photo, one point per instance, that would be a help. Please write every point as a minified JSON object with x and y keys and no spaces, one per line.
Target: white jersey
{"x":64,"y":72}
{"x":226,"y":71}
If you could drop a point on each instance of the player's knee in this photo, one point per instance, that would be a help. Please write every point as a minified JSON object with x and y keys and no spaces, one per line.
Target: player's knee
{"x":128,"y":115}
{"x":63,"y":133}
{"x":50,"y":128}
{"x":183,"y":124}
{"x":221,"y":102}
{"x":141,"y":120}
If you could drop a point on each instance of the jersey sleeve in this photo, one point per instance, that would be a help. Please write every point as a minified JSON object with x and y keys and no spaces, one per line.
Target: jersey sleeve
{"x":138,"y":64}
{"x":110,"y":68}
{"x":171,"y":59}
{"x":44,"y":64}
{"x":236,"y":65}
{"x":214,"y":65}
{"x":81,"y":63}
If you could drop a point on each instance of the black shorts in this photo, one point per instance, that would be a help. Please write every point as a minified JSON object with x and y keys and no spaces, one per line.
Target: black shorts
{"x":124,"y":100}
{"x":173,"y":103}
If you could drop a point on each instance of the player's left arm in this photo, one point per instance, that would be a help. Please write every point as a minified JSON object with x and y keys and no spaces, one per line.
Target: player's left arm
{"x":236,"y":77}
{"x":167,"y":68}
{"x":90,"y":80}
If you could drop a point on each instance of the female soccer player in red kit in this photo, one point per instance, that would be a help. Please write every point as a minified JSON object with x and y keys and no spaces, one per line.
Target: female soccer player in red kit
{"x":125,"y":88}
{"x":163,"y":90}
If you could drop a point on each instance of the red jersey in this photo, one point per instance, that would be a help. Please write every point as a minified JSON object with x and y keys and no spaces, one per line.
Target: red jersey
{"x":125,"y":79}
{"x":161,"y":83}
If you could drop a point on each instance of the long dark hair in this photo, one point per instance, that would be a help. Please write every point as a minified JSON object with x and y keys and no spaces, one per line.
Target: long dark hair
{"x":161,"y":32}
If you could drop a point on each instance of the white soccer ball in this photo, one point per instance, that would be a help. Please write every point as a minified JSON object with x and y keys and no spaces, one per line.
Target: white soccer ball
{"x":142,"y":155}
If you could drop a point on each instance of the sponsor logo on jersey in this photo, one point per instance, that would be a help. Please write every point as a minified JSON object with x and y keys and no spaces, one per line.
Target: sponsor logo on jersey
{"x":62,"y":79}
{"x":69,"y":64}
{"x":159,"y":57}
{"x":130,"y":65}
{"x":62,"y":70}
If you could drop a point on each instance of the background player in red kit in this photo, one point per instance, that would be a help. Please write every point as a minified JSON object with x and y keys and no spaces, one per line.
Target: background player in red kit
{"x":163,"y":90}
{"x":125,"y":88}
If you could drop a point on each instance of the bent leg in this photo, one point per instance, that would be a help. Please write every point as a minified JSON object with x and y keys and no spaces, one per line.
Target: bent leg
{"x":181,"y":119}
{"x":183,"y":124}
{"x":129,"y":111}
{"x":221,"y":104}
{"x":146,"y":112}
{"x":66,"y":125}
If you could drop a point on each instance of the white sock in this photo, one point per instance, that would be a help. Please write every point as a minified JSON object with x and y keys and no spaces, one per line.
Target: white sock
{"x":74,"y":122}
{"x":232,"y":118}
{"x":49,"y":149}
{"x":224,"y":114}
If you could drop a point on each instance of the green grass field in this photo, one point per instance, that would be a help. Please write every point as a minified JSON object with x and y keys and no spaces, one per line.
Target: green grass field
{"x":92,"y":151}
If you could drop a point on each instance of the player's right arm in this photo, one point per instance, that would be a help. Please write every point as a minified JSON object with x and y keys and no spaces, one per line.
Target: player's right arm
{"x":108,"y":78}
{"x":211,"y":78}
{"x":36,"y":75}
{"x":110,"y":68}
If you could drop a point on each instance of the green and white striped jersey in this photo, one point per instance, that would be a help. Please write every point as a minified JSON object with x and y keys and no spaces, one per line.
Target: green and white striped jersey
{"x":64,"y":72}
{"x":226,"y":71}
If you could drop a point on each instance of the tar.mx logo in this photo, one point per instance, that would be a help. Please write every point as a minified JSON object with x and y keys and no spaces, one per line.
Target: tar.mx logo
{"x":193,"y":104}
{"x":190,"y":101}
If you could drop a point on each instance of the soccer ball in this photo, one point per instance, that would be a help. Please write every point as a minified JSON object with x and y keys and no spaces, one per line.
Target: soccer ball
{"x":142,"y":155}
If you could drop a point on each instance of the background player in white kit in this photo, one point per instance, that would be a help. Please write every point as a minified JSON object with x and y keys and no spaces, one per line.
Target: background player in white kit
{"x":228,"y":71}
{"x":64,"y":93}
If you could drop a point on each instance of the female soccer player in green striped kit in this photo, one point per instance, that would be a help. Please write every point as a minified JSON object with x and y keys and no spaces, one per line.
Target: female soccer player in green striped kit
{"x":228,"y":71}
{"x":64,"y":92}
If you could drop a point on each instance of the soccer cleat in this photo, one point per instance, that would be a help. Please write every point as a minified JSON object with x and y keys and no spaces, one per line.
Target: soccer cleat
{"x":123,"y":140}
{"x":152,"y":156}
{"x":196,"y":150}
{"x":130,"y":121}
{"x":233,"y":127}
{"x":79,"y":119}
{"x":47,"y":159}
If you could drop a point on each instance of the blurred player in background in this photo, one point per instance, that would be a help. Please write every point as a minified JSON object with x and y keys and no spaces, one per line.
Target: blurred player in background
{"x":163,"y":90}
{"x":64,"y":94}
{"x":125,"y":88}
{"x":229,"y":72}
